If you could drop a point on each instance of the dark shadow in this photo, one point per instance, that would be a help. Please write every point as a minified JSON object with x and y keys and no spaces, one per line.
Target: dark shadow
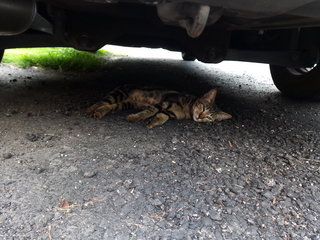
{"x":78,"y":90}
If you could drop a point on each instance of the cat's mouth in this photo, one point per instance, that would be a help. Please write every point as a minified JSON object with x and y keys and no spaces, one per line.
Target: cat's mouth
{"x":199,"y":117}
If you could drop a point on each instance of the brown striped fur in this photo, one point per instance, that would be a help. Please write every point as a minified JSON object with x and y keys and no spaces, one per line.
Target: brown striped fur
{"x":159,"y":105}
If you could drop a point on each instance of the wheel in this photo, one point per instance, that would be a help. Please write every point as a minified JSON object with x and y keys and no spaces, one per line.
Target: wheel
{"x":186,"y":56}
{"x":1,"y":54}
{"x":300,"y":83}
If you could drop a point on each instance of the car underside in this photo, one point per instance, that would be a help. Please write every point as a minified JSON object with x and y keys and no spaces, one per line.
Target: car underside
{"x":284,"y":34}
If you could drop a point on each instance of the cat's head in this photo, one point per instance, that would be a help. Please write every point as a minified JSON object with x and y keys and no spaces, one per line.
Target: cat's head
{"x":204,"y":109}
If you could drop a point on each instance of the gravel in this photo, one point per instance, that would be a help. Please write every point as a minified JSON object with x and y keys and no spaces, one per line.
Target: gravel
{"x":255,"y":176}
{"x":7,"y":155}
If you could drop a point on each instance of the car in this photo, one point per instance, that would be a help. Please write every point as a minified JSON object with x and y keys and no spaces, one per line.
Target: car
{"x":284,"y":33}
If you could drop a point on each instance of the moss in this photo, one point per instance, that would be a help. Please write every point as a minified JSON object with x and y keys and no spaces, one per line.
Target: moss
{"x":55,"y":58}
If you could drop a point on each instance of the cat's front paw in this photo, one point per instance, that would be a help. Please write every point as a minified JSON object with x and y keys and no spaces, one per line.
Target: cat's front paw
{"x":99,"y":110}
{"x":93,"y":113}
{"x":90,"y":111}
{"x":98,"y":115}
{"x":150,"y":126}
{"x":134,"y":118}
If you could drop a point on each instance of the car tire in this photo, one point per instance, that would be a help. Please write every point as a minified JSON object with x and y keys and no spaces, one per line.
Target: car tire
{"x":1,"y":54}
{"x":186,"y":56}
{"x":299,"y":83}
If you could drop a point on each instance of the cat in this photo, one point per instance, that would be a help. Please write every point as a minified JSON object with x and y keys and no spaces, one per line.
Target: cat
{"x":159,"y":105}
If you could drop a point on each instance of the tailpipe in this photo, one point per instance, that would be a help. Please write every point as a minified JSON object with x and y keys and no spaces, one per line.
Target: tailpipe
{"x":16,"y":16}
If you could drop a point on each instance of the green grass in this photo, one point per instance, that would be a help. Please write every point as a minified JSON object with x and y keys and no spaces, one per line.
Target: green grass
{"x":55,"y":58}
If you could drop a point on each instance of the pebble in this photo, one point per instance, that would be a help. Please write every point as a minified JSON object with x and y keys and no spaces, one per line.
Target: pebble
{"x":270,"y":182}
{"x":39,"y":170}
{"x":67,"y":113}
{"x":214,"y":215}
{"x":174,"y":140}
{"x":12,"y":112}
{"x":207,"y":221}
{"x":157,"y":202}
{"x":7,"y":155}
{"x":127,"y":183}
{"x":89,"y":174}
{"x":32,"y":137}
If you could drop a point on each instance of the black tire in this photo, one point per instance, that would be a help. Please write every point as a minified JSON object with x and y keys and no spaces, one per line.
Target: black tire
{"x":188,"y":56}
{"x":1,"y":54}
{"x":299,"y":83}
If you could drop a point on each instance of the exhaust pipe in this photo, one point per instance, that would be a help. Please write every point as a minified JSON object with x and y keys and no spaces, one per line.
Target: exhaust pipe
{"x":16,"y":16}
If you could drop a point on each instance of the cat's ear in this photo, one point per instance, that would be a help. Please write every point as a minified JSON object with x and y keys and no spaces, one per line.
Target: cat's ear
{"x":210,"y":96}
{"x":219,"y":116}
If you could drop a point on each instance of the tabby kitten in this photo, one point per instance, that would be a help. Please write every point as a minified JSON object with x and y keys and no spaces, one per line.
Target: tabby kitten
{"x":159,"y":105}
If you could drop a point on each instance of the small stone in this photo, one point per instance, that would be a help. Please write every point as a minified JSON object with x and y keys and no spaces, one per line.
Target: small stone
{"x":14,"y":111}
{"x":267,"y":159}
{"x":89,"y":174}
{"x":174,"y":140}
{"x":39,"y":170}
{"x":251,"y":221}
{"x":276,"y":190}
{"x":214,"y":215}
{"x":7,"y":155}
{"x":121,"y":191}
{"x":119,"y":201}
{"x":127,"y":183}
{"x":270,"y":182}
{"x":281,"y":221}
{"x":157,"y":202}
{"x":268,"y":195}
{"x":67,"y":113}
{"x":206,"y":221}
{"x":32,"y":137}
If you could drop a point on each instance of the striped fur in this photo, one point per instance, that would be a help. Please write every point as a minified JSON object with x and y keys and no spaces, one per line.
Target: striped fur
{"x":158,"y":105}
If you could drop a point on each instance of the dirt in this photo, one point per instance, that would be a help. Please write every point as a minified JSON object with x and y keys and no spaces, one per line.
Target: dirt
{"x":67,"y":176}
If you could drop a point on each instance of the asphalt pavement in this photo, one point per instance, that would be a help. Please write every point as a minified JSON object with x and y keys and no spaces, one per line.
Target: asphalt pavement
{"x":67,"y":176}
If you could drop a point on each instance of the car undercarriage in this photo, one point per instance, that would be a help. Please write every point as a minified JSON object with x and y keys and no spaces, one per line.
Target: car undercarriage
{"x":283,"y":34}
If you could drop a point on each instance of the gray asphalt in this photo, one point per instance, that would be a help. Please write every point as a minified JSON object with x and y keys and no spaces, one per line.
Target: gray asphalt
{"x":67,"y":176}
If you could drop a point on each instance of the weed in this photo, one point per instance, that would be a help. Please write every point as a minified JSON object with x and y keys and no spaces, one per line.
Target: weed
{"x":55,"y":58}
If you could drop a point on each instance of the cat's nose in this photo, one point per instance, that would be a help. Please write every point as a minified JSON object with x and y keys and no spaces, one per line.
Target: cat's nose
{"x":202,"y":115}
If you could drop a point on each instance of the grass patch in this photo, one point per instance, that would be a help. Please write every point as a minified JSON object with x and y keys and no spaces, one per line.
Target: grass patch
{"x":55,"y":58}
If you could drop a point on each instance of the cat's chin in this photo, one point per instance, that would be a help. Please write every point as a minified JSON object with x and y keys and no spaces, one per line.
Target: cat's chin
{"x":199,"y":119}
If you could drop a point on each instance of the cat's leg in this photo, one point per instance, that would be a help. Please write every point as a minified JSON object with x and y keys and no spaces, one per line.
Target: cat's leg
{"x":90,"y":110}
{"x":143,"y":115}
{"x":115,"y":100}
{"x":99,"y":110}
{"x":159,"y":119}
